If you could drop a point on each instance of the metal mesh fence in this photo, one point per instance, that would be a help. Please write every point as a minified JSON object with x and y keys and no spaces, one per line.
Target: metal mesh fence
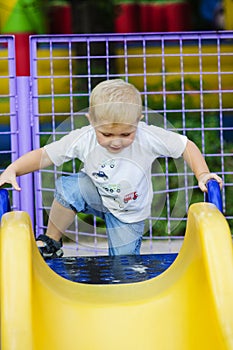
{"x":186,"y":85}
{"x":8,"y":117}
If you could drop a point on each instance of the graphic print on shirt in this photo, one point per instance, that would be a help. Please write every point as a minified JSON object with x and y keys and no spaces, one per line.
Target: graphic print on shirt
{"x":109,"y":163}
{"x":122,"y":192}
{"x":100,"y":175}
{"x":130,"y":196}
{"x":112,"y":188}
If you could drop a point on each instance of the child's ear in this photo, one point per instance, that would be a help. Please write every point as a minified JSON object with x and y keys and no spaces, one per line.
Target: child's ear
{"x":87,"y":115}
{"x":142,"y":116}
{"x":92,"y":123}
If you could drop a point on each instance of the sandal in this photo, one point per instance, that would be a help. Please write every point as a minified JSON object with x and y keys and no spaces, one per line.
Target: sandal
{"x":51,"y":249}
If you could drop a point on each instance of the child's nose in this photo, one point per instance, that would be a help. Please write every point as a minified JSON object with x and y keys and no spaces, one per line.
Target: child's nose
{"x":116,"y":142}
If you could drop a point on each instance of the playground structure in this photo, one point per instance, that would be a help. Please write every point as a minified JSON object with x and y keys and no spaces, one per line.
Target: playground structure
{"x":188,"y":306}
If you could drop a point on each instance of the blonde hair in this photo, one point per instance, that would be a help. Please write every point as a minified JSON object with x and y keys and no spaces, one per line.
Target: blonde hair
{"x":115,"y":101}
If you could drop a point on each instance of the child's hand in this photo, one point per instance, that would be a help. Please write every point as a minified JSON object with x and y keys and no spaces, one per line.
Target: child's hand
{"x":9,"y":177}
{"x":205,"y":177}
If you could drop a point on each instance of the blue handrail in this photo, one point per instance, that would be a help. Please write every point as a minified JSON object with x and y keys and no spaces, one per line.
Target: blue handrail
{"x":214,"y":194}
{"x":4,"y":202}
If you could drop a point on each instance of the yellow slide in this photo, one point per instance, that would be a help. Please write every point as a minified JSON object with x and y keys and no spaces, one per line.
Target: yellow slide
{"x":188,"y":307}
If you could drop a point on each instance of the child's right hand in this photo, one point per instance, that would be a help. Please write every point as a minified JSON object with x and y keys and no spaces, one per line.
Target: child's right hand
{"x":205,"y":177}
{"x":9,"y":177}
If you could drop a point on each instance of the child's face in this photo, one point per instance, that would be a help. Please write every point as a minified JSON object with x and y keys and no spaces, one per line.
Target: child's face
{"x":115,"y":137}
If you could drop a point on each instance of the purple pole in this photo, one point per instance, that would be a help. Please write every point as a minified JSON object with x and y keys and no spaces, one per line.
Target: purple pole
{"x":25,"y":143}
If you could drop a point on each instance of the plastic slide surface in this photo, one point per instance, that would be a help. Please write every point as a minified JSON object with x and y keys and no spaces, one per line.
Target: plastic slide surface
{"x":188,"y":307}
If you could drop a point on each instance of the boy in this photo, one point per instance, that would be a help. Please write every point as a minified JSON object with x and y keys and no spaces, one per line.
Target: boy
{"x":117,"y":151}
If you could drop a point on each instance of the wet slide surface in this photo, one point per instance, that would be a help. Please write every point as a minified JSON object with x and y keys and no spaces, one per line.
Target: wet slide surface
{"x":111,"y":270}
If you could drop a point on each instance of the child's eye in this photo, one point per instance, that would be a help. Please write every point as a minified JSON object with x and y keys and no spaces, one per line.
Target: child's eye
{"x":126,"y":135}
{"x":106,"y":135}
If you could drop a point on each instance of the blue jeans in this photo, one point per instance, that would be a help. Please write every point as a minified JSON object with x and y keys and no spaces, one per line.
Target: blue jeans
{"x":78,"y":192}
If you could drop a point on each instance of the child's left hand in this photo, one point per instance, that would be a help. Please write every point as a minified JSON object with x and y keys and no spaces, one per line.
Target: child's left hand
{"x":205,"y":177}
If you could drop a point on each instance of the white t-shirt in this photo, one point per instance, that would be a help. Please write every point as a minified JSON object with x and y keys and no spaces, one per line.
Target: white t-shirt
{"x":123,"y":179}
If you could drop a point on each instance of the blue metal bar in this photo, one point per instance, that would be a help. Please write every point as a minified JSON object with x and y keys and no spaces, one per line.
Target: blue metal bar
{"x":214,"y":194}
{"x":4,"y":202}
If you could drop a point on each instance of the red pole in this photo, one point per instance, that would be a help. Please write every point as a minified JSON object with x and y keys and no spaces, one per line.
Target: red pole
{"x":22,"y":54}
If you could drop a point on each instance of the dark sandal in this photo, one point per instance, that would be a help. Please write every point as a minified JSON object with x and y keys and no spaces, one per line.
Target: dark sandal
{"x":51,"y":249}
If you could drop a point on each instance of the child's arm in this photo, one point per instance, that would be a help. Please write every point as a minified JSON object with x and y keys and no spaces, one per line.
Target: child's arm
{"x":28,"y":163}
{"x":197,"y":163}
